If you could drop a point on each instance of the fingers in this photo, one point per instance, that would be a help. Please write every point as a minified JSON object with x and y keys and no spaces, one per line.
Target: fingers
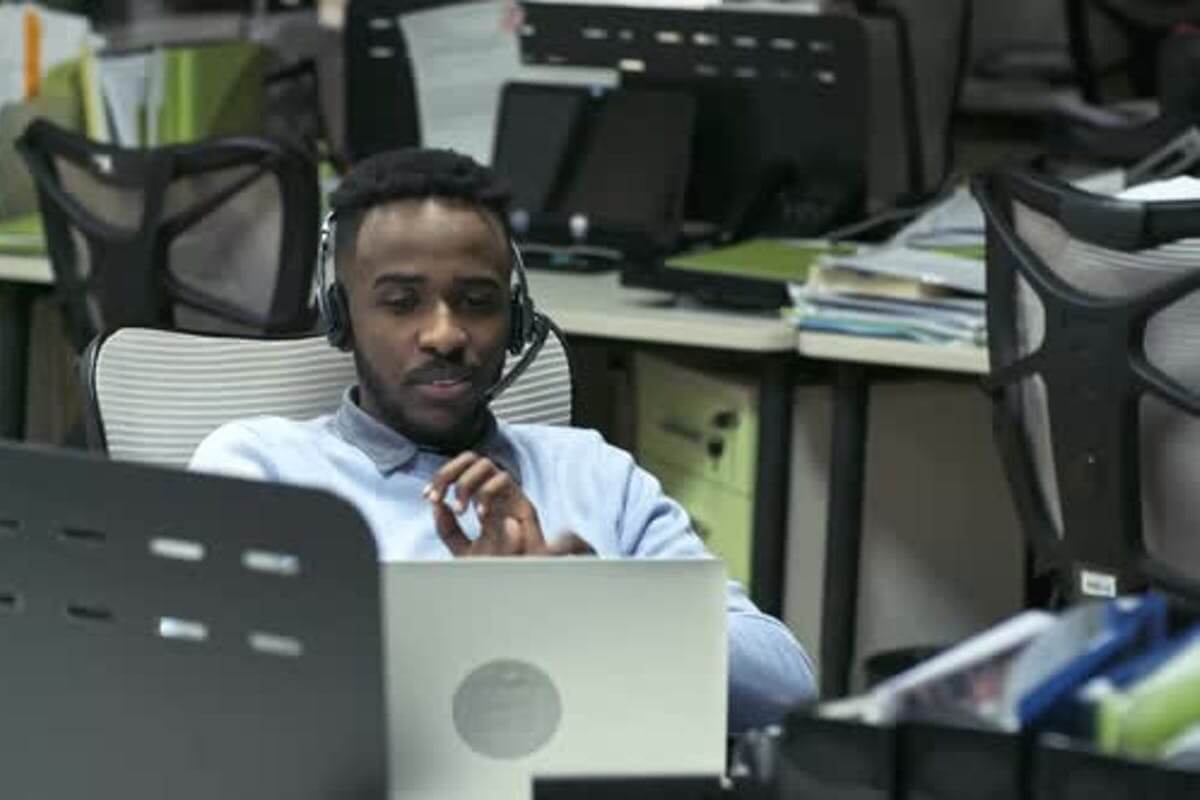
{"x":508,"y":536}
{"x":496,"y":496}
{"x":497,"y":539}
{"x":449,"y":531}
{"x":479,"y":474}
{"x":467,"y":474}
{"x":516,"y":536}
{"x":450,"y":472}
{"x":569,"y":545}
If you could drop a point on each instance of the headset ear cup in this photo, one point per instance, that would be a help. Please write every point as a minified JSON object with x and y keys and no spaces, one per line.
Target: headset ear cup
{"x":337,"y":318}
{"x":516,"y":324}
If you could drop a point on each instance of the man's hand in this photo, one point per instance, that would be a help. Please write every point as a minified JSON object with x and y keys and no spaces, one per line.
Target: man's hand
{"x":508,"y":522}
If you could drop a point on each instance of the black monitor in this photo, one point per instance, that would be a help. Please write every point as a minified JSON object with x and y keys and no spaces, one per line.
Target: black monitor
{"x":167,"y":634}
{"x":779,"y":132}
{"x":593,"y":171}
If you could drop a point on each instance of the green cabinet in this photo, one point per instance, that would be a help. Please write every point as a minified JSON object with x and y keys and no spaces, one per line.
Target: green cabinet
{"x":697,"y":432}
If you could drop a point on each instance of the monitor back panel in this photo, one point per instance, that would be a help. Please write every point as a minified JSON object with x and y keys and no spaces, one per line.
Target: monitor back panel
{"x":166,"y":634}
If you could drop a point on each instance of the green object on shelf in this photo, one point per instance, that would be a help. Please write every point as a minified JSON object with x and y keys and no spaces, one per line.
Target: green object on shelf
{"x":978,"y":252}
{"x":212,"y":90}
{"x":766,"y":259}
{"x":22,"y":236}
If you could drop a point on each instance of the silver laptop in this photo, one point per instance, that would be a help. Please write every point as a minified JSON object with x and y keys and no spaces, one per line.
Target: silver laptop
{"x":500,"y":670}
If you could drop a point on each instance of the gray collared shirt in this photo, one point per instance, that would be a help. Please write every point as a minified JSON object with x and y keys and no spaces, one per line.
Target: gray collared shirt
{"x":575,"y":480}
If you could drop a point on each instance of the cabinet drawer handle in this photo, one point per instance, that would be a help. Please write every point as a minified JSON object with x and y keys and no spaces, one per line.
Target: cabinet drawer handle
{"x":682,"y":430}
{"x":725,"y":420}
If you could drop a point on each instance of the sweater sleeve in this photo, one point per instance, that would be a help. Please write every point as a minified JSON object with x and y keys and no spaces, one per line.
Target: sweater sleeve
{"x":769,"y":672}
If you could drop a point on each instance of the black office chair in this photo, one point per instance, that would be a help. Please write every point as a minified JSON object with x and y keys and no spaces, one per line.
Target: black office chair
{"x":1176,"y":61}
{"x":918,"y":66}
{"x":1144,"y":24}
{"x":1093,"y":318}
{"x":216,"y":236}
{"x":294,"y":111}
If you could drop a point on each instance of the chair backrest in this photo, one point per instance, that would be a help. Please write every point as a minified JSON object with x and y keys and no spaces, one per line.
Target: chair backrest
{"x":216,"y":236}
{"x":168,"y":634}
{"x":1093,"y":320}
{"x":153,"y":395}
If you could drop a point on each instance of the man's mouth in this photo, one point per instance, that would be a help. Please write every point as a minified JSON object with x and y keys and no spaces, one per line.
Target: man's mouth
{"x":444,"y":384}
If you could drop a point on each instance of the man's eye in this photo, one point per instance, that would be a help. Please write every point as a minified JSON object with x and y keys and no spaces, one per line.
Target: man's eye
{"x":401,"y":302}
{"x":480,"y":301}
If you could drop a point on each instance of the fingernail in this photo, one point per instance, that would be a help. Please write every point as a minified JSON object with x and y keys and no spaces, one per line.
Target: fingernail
{"x":481,"y":510}
{"x":458,"y":506}
{"x":428,"y":488}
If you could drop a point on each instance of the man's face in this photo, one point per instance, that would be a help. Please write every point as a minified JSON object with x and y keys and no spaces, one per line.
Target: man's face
{"x":429,"y":297}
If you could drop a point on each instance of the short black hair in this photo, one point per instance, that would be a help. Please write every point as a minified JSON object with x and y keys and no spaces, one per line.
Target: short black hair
{"x":413,"y":173}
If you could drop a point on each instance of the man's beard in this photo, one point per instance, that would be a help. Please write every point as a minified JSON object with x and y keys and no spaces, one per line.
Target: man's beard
{"x":461,"y":436}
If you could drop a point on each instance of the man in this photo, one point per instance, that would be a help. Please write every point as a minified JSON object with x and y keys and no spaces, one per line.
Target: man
{"x":423,"y":266}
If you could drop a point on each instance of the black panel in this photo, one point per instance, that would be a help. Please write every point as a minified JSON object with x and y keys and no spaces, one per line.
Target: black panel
{"x":99,"y":703}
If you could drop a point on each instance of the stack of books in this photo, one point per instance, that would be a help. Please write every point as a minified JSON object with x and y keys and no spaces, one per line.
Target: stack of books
{"x":894,"y":292}
{"x":926,"y":284}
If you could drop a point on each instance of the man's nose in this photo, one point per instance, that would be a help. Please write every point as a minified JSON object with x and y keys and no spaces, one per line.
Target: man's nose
{"x":442,"y":333}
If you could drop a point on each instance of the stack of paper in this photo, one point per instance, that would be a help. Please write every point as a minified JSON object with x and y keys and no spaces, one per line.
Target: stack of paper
{"x":955,"y":225}
{"x":925,"y":284}
{"x":894,"y":292}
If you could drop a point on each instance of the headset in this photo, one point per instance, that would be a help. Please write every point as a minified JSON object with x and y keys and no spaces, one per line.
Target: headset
{"x":527,"y":331}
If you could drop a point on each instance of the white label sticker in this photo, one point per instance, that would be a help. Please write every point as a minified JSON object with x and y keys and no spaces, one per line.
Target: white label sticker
{"x":1097,"y":584}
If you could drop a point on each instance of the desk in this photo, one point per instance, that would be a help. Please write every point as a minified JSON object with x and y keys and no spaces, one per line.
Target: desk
{"x":855,"y":357}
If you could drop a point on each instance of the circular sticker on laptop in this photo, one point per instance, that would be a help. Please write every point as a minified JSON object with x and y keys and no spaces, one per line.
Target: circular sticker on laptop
{"x":507,"y":709}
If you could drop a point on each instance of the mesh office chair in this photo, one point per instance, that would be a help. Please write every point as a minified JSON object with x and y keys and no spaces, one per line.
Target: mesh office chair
{"x":1093,"y":326}
{"x":216,"y":236}
{"x":153,"y":395}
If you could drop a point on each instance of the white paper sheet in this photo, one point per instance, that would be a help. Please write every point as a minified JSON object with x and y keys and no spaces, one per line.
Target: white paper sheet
{"x":462,"y":55}
{"x":123,"y":83}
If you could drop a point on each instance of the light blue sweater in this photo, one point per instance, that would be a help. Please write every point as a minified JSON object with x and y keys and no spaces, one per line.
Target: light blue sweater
{"x":575,"y":480}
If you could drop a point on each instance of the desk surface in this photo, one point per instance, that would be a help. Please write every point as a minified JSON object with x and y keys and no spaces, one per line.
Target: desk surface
{"x":25,"y":269}
{"x":894,"y":353}
{"x":597,"y":305}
